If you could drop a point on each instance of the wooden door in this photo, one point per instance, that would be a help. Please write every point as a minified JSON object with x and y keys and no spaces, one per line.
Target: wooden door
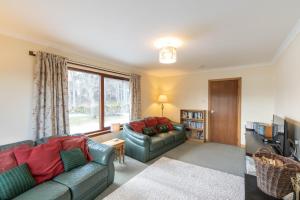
{"x":224,"y":111}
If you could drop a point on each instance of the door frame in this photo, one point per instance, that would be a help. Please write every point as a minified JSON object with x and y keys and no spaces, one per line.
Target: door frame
{"x":239,"y":79}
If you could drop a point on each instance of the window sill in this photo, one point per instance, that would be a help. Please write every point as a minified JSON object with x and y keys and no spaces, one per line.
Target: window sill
{"x":102,"y":132}
{"x":97,"y":133}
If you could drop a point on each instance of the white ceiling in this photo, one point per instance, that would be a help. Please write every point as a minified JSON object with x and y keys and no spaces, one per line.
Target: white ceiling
{"x":216,"y":33}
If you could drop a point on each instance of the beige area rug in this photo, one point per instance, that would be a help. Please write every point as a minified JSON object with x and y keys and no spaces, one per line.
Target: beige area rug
{"x":172,"y":179}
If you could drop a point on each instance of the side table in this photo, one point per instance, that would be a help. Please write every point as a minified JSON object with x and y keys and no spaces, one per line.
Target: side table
{"x":119,"y":146}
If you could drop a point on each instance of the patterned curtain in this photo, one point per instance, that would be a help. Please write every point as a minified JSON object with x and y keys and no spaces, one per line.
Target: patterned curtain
{"x":135,"y":92}
{"x":50,"y":98}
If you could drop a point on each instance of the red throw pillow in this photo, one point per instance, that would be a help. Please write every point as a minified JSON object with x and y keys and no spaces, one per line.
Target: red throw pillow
{"x":77,"y":142}
{"x":170,"y":126}
{"x":164,"y":120}
{"x":62,"y":138}
{"x":137,"y":126}
{"x":151,"y":122}
{"x":8,"y":159}
{"x":43,"y":160}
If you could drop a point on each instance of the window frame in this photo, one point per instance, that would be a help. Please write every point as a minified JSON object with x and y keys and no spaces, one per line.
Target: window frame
{"x":103,"y":129}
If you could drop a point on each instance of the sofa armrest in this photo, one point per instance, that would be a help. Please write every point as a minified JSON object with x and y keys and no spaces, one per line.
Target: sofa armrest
{"x":178,"y":127}
{"x":138,"y":138}
{"x":101,"y":153}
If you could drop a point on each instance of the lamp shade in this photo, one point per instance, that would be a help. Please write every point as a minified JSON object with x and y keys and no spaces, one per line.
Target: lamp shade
{"x":162,"y":98}
{"x":115,"y":127}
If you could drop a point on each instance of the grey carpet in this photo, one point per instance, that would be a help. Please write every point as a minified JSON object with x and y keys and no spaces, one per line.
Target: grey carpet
{"x":170,"y":179}
{"x":220,"y":157}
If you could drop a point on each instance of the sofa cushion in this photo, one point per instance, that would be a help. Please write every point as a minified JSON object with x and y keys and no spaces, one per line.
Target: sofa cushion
{"x":164,"y":120}
{"x":81,"y":179}
{"x":151,"y":121}
{"x":137,"y":126}
{"x":71,"y":142}
{"x":150,"y":131}
{"x":15,"y":181}
{"x":43,"y":160}
{"x":73,"y":158}
{"x":8,"y":159}
{"x":162,"y":128}
{"x":167,"y":138}
{"x":177,"y":135}
{"x":156,"y":143}
{"x":47,"y":190}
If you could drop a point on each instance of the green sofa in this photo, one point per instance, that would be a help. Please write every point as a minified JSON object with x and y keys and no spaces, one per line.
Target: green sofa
{"x":84,"y":183}
{"x":144,"y":148}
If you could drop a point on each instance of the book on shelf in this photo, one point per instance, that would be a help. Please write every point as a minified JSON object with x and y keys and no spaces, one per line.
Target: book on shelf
{"x":192,"y":115}
{"x":199,"y":135}
{"x":195,"y":123}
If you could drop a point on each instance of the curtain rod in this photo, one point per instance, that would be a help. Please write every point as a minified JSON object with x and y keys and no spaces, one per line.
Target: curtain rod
{"x":32,"y":53}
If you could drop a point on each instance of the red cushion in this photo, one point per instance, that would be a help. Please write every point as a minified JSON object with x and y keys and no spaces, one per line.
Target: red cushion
{"x":8,"y":159}
{"x":164,"y":120}
{"x":62,"y":138}
{"x":71,"y":142}
{"x":137,"y":126}
{"x":170,"y":126}
{"x":151,"y":122}
{"x":43,"y":160}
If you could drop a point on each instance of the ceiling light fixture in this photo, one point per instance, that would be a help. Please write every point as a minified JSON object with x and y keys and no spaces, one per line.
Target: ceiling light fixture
{"x":167,"y":49}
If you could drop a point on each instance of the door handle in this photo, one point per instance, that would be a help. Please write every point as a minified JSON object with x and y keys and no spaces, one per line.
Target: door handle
{"x":212,"y":111}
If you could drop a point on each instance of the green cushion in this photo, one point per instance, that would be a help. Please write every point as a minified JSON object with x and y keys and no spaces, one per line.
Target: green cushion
{"x":47,"y":190}
{"x":73,"y":158}
{"x":150,"y":131}
{"x":162,"y":128}
{"x":15,"y":181}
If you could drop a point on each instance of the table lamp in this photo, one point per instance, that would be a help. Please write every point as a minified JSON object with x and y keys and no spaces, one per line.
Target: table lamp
{"x":114,"y":128}
{"x":162,"y":99}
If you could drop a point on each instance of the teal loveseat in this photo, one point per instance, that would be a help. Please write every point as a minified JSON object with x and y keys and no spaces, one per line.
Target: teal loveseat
{"x":144,"y":148}
{"x":82,"y":183}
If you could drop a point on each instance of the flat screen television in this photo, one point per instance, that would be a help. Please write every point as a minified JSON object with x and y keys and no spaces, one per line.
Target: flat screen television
{"x":282,"y":139}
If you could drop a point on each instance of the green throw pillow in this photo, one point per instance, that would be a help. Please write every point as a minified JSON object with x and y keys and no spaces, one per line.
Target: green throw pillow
{"x":15,"y":181}
{"x":72,"y":158}
{"x":150,"y":131}
{"x":163,"y":128}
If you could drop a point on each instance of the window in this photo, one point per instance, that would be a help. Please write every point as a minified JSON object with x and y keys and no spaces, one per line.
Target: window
{"x":84,"y":102}
{"x":86,"y":111}
{"x":116,"y":101}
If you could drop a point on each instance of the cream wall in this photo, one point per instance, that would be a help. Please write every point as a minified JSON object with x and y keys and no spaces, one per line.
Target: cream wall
{"x":287,"y":99}
{"x":16,"y":81}
{"x":150,"y":91}
{"x":191,"y":92}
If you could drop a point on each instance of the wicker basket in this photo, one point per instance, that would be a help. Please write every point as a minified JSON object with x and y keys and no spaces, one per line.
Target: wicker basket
{"x":272,"y":179}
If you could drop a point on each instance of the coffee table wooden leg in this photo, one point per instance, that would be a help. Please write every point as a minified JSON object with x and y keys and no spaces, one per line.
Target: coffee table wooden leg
{"x":116,"y":154}
{"x":120,"y":153}
{"x":123,"y":153}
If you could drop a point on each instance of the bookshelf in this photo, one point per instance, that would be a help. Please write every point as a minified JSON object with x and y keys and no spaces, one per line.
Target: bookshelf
{"x":195,"y":122}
